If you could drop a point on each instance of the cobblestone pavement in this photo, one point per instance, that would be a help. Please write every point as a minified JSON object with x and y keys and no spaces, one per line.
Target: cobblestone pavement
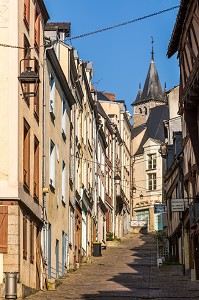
{"x":126,"y":270}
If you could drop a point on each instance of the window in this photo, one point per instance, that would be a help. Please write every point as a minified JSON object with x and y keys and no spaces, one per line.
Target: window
{"x":52,"y":164}
{"x":36,"y":98}
{"x":145,"y":110}
{"x":52,"y":95}
{"x":24,"y":236}
{"x":31,"y":242}
{"x":63,"y":182}
{"x":27,"y":12}
{"x":3,"y":229}
{"x":140,"y":110}
{"x":26,"y":65}
{"x":37,"y":27}
{"x":151,"y":161}
{"x":64,"y":118}
{"x":152,"y":181}
{"x":36,"y":168}
{"x":71,"y":226}
{"x":26,"y":155}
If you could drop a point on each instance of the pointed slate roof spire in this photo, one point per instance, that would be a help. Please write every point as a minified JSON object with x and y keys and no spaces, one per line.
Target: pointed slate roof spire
{"x":152,"y":88}
{"x":139,"y":94}
{"x":152,"y":52}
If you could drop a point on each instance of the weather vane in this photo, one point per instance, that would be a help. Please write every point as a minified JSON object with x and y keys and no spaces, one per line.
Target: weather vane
{"x":152,"y":52}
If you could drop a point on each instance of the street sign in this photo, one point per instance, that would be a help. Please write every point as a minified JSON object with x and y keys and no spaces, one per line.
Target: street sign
{"x":159,"y":208}
{"x":138,"y":223}
{"x":177,"y":205}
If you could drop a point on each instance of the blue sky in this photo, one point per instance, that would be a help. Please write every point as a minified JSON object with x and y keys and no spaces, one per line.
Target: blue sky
{"x":121,"y":56}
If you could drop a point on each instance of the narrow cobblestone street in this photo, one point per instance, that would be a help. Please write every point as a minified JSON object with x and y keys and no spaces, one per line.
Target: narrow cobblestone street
{"x":126,"y":270}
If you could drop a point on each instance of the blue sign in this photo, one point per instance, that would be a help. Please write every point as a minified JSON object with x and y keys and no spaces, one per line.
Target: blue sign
{"x":160,"y":208}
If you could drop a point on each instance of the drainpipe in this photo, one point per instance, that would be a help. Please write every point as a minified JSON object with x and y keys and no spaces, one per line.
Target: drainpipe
{"x":44,"y":151}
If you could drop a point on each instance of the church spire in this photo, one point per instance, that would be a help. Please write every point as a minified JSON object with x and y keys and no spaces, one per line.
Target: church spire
{"x":152,"y":52}
{"x":152,"y":90}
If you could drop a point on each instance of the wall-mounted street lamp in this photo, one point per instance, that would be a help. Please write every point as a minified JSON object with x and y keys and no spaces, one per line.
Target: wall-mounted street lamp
{"x":117,"y":179}
{"x":141,"y":196}
{"x":29,"y":80}
{"x":133,"y":189}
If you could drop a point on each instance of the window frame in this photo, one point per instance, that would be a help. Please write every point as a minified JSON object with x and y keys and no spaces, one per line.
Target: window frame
{"x":63,"y":182}
{"x":52,"y":80}
{"x":26,"y":155}
{"x":36,"y":169}
{"x":152,"y":182}
{"x":52,"y":164}
{"x":151,"y":161}
{"x":27,"y":13}
{"x":24,"y":236}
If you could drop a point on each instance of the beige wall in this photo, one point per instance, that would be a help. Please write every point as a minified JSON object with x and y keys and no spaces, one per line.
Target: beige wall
{"x":140,"y":181}
{"x":9,"y":86}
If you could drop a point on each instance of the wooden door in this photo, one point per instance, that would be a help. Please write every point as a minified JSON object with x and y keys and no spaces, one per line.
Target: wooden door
{"x":3,"y":229}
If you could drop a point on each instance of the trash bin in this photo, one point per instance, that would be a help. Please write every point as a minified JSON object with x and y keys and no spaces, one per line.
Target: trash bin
{"x":11,"y":285}
{"x":97,"y":249}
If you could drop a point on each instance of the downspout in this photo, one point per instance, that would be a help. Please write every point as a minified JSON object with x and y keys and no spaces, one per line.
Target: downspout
{"x":44,"y":153}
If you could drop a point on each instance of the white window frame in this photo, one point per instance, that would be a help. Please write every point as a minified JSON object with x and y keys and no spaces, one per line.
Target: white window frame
{"x":152,"y":161}
{"x":63,"y":182}
{"x":52,"y":163}
{"x":64,"y":115}
{"x":152,"y":182}
{"x":52,"y":92}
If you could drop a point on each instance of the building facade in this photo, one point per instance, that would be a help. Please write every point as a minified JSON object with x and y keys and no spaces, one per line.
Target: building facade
{"x":22,"y":140}
{"x":150,"y":110}
{"x":184,"y":41}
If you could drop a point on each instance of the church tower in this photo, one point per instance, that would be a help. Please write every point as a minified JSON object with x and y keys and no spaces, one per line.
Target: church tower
{"x":151,"y":96}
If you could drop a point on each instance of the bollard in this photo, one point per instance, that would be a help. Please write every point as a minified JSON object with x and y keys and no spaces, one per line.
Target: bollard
{"x":11,"y":285}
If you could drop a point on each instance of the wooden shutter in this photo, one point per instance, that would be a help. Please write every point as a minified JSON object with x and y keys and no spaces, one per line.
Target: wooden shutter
{"x":36,"y":168}
{"x":24,"y":236}
{"x":32,"y":242}
{"x":37,"y":26}
{"x":3,"y":229}
{"x":27,"y":12}
{"x":26,"y":155}
{"x":36,"y":98}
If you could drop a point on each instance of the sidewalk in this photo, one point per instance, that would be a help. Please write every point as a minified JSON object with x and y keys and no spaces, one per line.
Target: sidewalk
{"x":126,"y":270}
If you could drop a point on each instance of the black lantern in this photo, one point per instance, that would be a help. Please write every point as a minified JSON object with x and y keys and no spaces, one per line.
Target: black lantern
{"x":141,"y":196}
{"x":117,"y":179}
{"x":29,"y":80}
{"x":133,"y":189}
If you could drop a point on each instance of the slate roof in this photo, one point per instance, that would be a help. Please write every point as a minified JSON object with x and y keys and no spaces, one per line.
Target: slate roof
{"x":154,"y":126}
{"x":152,"y":87}
{"x":101,"y":96}
{"x":137,"y":130}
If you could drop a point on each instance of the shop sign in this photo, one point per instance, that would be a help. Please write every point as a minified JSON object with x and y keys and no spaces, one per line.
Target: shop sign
{"x":177,"y":205}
